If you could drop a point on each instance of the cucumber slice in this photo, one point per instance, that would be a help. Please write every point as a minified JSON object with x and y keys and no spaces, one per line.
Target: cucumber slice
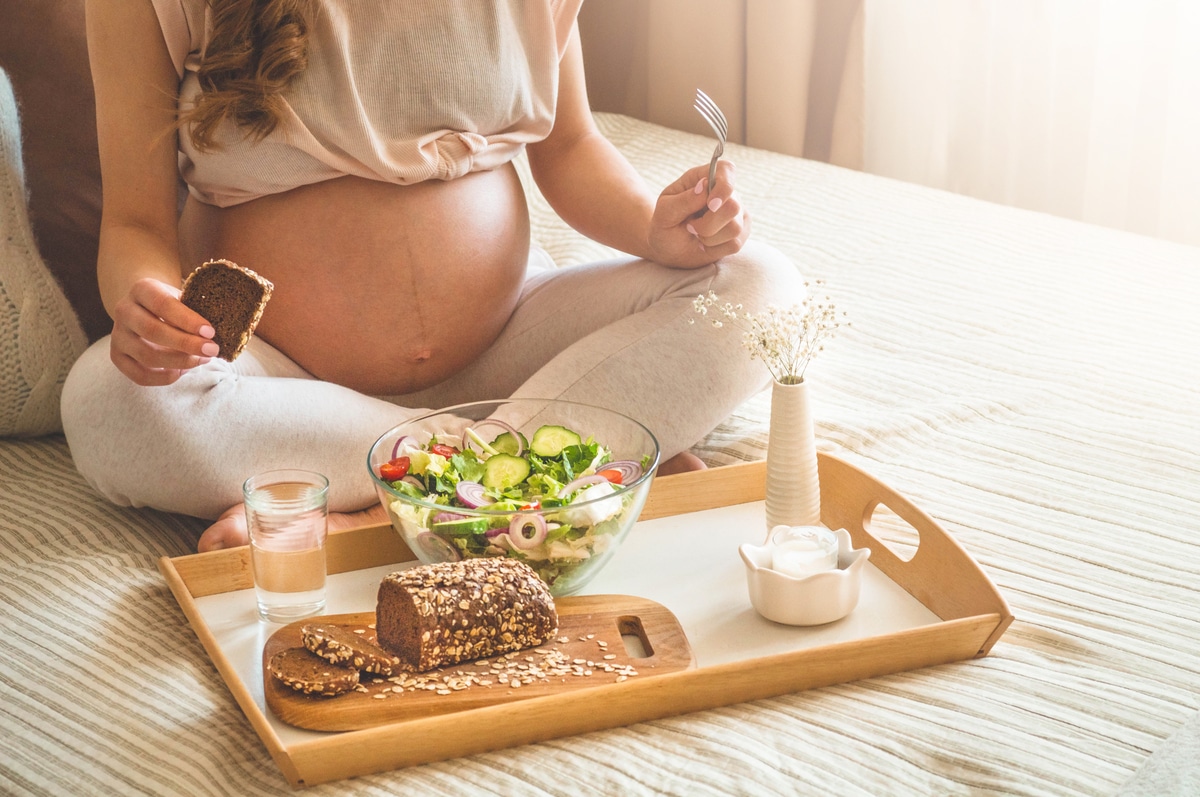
{"x":507,"y":444}
{"x":462,"y":527}
{"x":549,"y":441}
{"x":502,"y":471}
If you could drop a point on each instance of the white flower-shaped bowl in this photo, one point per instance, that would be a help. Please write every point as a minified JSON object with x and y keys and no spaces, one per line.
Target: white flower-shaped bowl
{"x":813,"y":600}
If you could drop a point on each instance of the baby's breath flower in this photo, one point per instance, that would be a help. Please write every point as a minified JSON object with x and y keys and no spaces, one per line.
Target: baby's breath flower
{"x":786,"y":340}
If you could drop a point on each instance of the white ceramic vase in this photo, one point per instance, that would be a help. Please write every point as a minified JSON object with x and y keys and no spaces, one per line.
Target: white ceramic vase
{"x":793,"y":487}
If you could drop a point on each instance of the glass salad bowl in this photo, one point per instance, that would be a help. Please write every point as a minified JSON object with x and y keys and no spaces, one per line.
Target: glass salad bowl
{"x":555,"y":484}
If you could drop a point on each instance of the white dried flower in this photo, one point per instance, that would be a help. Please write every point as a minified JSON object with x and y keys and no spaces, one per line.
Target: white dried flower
{"x":786,"y":340}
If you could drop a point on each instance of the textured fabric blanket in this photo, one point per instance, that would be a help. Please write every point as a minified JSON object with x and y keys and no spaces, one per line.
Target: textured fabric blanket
{"x":1174,"y":768}
{"x":39,"y":335}
{"x":1031,"y":383}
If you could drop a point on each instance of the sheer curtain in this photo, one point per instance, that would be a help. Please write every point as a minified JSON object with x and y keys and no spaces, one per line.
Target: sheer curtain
{"x":1088,"y":109}
{"x":787,"y":73}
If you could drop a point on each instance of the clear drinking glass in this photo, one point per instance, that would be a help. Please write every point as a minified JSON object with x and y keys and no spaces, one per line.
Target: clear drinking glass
{"x":286,"y":513}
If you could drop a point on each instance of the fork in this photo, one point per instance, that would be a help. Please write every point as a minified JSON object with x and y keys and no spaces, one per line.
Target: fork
{"x":716,"y":120}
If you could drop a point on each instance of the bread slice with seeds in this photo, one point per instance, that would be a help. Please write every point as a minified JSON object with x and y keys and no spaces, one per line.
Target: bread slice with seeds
{"x":311,"y":674}
{"x":340,"y":645}
{"x":231,"y":298}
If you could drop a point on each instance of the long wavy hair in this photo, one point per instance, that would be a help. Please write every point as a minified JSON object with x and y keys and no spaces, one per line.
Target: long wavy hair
{"x":256,"y":49}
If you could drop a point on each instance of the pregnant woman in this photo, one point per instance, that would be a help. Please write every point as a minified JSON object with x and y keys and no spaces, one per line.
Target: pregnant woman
{"x":360,"y":156}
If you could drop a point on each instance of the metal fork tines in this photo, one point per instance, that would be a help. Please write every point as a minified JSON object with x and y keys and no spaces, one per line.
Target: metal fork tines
{"x":716,"y":120}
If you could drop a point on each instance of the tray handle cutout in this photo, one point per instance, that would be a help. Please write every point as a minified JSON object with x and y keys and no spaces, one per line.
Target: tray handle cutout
{"x":857,"y":502}
{"x":887,"y":527}
{"x":633,"y":635}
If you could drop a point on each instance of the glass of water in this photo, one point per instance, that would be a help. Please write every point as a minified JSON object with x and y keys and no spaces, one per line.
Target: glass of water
{"x":286,"y":512}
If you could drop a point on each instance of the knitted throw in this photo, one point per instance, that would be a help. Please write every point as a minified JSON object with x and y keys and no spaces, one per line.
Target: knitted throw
{"x":40,"y":336}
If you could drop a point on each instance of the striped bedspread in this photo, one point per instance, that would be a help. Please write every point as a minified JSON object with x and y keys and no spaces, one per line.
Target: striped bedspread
{"x":1031,"y":383}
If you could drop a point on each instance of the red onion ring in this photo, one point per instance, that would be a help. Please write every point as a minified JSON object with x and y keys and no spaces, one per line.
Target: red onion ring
{"x":630,"y":471}
{"x":414,"y":481}
{"x":582,"y":481}
{"x":502,"y":425}
{"x":448,"y":517}
{"x":412,"y":441}
{"x":518,"y":526}
{"x":471,"y":494}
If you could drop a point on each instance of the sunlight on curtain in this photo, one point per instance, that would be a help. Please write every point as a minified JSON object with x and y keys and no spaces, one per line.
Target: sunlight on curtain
{"x":1088,"y":109}
{"x":786,"y":72}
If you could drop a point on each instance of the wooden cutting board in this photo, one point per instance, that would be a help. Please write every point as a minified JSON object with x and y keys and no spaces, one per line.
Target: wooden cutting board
{"x":590,"y":649}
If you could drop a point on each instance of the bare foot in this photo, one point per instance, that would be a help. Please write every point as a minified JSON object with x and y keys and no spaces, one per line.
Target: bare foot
{"x":682,"y":462}
{"x":229,"y":530}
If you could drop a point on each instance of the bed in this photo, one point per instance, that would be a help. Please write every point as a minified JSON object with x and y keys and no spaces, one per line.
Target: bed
{"x":1032,"y":383}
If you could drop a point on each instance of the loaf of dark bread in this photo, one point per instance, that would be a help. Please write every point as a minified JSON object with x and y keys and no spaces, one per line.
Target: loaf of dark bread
{"x":311,"y":674}
{"x":231,"y":298}
{"x":340,"y":645}
{"x":434,"y":615}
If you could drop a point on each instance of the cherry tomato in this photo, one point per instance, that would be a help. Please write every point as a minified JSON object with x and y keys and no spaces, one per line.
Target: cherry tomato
{"x":534,"y":504}
{"x":611,"y":474}
{"x":443,"y":449}
{"x":395,"y":470}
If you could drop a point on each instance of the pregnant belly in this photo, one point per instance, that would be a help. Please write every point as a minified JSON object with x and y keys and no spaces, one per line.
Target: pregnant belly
{"x":383,"y":288}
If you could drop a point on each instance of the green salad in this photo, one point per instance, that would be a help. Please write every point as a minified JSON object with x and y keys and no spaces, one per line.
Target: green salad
{"x":554,"y":501}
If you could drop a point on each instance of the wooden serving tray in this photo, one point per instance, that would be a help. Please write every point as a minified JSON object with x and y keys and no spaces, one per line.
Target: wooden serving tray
{"x":591,"y":635}
{"x":961,"y":616}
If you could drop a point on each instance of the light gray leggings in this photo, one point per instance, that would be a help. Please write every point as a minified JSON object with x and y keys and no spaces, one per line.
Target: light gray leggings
{"x":615,"y":334}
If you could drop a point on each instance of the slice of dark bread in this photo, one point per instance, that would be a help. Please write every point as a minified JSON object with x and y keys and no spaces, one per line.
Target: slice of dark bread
{"x":311,"y":674}
{"x":341,"y":645}
{"x":231,"y":298}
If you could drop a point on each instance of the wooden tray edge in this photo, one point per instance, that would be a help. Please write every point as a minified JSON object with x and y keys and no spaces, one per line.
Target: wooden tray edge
{"x":347,"y":549}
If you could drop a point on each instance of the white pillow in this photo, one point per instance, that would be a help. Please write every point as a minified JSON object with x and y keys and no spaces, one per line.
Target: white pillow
{"x":40,"y":335}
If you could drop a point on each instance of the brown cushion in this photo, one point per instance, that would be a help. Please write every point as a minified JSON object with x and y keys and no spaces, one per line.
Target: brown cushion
{"x":44,"y":50}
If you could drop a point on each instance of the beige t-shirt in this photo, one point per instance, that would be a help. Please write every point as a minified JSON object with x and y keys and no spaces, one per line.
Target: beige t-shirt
{"x":395,"y":90}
